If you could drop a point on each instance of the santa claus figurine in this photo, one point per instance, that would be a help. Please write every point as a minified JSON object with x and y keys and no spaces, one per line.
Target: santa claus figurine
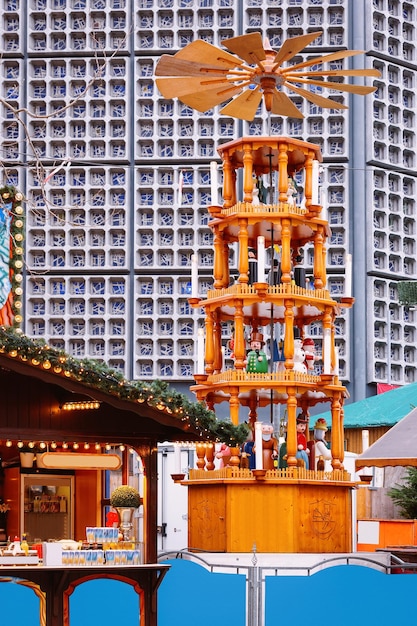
{"x":269,"y":447}
{"x":309,"y":354}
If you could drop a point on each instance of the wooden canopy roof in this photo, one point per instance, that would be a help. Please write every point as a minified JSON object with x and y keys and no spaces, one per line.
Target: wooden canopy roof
{"x":31,"y":408}
{"x":397,"y":447}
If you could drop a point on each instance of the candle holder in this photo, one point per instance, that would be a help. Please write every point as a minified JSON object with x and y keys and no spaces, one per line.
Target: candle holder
{"x":177,"y":478}
{"x":215,"y":210}
{"x":200,"y":378}
{"x":194,"y":301}
{"x":366,"y":478}
{"x":261,"y":289}
{"x":259,"y":473}
{"x":326,"y":378}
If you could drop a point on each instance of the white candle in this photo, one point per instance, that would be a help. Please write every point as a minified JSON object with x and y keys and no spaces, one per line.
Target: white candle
{"x":326,"y":351}
{"x":324,"y":212}
{"x":177,"y":458}
{"x":213,"y":182}
{"x":336,"y":361}
{"x":315,"y":182}
{"x":348,"y":276}
{"x":365,"y":440}
{"x":261,"y":259}
{"x":258,"y":446}
{"x":200,"y":351}
{"x":194,"y":276}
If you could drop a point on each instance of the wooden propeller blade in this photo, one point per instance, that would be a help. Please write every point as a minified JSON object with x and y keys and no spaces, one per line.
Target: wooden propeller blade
{"x":203,"y":52}
{"x":205,"y":100}
{"x":359,"y":89}
{"x":176,"y":86}
{"x":324,"y":103}
{"x":291,"y":46}
{"x":170,"y":65}
{"x":364,"y":72}
{"x":282,"y":105}
{"x":334,"y":56}
{"x":248,"y":47}
{"x":244,"y":107}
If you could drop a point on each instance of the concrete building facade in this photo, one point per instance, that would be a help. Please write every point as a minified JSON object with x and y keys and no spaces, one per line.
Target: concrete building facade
{"x":117,"y":178}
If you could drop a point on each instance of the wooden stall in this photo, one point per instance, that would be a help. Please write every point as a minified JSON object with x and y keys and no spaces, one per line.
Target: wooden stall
{"x":34,"y":389}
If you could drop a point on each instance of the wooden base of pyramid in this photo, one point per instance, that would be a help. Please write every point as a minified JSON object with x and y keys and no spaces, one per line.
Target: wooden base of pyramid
{"x":229,"y":515}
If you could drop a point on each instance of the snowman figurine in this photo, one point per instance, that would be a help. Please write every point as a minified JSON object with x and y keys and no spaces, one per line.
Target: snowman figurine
{"x":299,"y":357}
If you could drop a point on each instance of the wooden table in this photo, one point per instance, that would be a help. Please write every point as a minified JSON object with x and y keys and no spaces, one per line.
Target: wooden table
{"x":54,"y":585}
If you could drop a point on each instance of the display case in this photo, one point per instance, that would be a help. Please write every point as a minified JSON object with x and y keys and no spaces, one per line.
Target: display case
{"x":47,"y":505}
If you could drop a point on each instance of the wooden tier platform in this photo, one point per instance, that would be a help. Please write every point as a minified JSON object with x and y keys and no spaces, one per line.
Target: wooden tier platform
{"x":280,"y":511}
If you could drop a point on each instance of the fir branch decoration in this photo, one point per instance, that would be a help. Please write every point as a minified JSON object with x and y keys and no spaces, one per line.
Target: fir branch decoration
{"x":405,"y":496}
{"x":98,"y":375}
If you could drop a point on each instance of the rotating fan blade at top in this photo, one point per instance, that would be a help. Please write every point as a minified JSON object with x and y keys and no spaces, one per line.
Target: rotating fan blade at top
{"x":282,"y":105}
{"x":248,"y":47}
{"x":202,"y":55}
{"x":358,"y":89}
{"x":324,"y":103}
{"x":333,"y":56}
{"x":178,"y":86}
{"x":171,"y":65}
{"x":204,"y":100}
{"x":292,"y":46}
{"x":364,"y":72}
{"x":203,"y":76}
{"x":244,"y":107}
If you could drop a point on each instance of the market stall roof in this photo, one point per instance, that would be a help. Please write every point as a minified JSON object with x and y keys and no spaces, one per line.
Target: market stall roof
{"x":398,"y":446}
{"x":36,"y":382}
{"x":384,"y":409}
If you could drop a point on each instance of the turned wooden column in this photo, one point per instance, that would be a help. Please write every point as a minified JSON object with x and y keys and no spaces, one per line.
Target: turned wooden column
{"x":228,"y":193}
{"x":286,"y":251}
{"x":337,"y":442}
{"x":240,"y":351}
{"x":247,"y":172}
{"x":283,"y":172}
{"x":218,"y":269}
{"x":209,"y":358}
{"x":217,"y":334}
{"x":308,"y":181}
{"x":225,"y":264}
{"x":291,"y":428}
{"x":234,"y":406}
{"x":318,"y":259}
{"x":289,"y":334}
{"x":243,"y":251}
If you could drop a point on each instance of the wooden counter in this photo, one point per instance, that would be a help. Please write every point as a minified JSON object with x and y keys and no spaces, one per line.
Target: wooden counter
{"x":54,"y":586}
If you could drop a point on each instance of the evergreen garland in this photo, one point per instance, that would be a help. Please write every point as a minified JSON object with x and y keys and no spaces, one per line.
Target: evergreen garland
{"x":99,"y":376}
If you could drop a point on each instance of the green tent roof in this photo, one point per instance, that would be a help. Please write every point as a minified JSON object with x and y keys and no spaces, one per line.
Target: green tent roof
{"x":384,"y":409}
